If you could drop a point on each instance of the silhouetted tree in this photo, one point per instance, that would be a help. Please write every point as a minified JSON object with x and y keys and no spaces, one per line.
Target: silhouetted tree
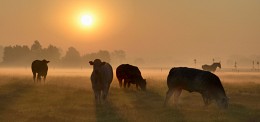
{"x":72,"y":58}
{"x":23,"y":55}
{"x":102,"y":54}
{"x":52,"y":53}
{"x":36,"y":50}
{"x":36,"y":46}
{"x":16,"y":55}
{"x":118,"y":56}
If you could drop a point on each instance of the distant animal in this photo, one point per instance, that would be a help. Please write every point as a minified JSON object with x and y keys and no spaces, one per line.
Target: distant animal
{"x":101,"y":78}
{"x":40,"y":68}
{"x":211,"y":68}
{"x":195,"y":80}
{"x":131,"y":75}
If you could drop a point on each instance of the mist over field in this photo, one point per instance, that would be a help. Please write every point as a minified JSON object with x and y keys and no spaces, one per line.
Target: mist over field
{"x":67,"y":96}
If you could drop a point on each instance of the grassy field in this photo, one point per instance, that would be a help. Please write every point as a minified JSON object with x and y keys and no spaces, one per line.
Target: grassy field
{"x":68,"y":96}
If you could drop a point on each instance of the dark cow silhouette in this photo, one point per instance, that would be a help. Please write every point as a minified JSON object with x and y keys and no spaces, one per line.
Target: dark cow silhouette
{"x":40,"y":68}
{"x":130,"y":74}
{"x":194,"y":80}
{"x":101,"y":78}
{"x":211,"y":68}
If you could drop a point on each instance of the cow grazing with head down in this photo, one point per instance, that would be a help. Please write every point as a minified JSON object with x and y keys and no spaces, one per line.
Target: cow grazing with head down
{"x":130,"y":74}
{"x":101,"y":78}
{"x":39,"y":68}
{"x":194,"y":80}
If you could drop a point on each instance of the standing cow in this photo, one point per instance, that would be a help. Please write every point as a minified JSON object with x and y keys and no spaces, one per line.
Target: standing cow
{"x":130,"y":74}
{"x":40,"y":68}
{"x":194,"y":80}
{"x":101,"y":78}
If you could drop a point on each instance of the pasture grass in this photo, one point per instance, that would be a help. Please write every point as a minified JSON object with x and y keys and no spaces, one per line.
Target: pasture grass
{"x":70,"y":98}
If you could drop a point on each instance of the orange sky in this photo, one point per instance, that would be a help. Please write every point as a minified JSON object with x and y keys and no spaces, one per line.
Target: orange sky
{"x":152,"y":29}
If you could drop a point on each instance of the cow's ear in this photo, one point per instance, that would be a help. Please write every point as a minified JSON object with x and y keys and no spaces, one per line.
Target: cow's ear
{"x":47,"y":62}
{"x":91,"y":62}
{"x":103,"y":63}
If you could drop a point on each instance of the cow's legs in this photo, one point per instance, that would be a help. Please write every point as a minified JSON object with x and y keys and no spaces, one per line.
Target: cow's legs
{"x":176,"y":95}
{"x":168,"y":96}
{"x":105,"y":92}
{"x":128,"y":84}
{"x":97,"y":96}
{"x":125,"y":82}
{"x":44,"y":78}
{"x":120,"y":82}
{"x":34,"y":76}
{"x":206,"y":98}
{"x":38,"y":77}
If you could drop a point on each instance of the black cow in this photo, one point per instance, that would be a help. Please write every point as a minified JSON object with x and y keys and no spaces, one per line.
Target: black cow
{"x":130,"y":74}
{"x":194,"y":80}
{"x":41,"y":68}
{"x":101,"y":78}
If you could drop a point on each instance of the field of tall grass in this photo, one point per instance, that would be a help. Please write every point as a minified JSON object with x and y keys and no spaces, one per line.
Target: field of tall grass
{"x":67,"y":96}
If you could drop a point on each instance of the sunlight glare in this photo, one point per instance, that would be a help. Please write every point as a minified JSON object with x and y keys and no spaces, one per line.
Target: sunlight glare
{"x":86,"y":20}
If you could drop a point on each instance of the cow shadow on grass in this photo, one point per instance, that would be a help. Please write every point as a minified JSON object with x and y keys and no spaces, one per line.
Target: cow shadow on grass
{"x":149,"y":104}
{"x":10,"y":94}
{"x":107,"y":111}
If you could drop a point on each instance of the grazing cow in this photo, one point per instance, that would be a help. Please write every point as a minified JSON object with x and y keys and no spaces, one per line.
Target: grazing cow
{"x":101,"y":78}
{"x":41,"y":68}
{"x":194,"y":80}
{"x":211,"y":68}
{"x":130,"y":74}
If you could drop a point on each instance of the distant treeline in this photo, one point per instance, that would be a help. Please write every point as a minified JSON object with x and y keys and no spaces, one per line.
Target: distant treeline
{"x":23,"y":55}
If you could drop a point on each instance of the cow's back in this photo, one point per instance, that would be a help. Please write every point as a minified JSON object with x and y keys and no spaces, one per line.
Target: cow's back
{"x":39,"y":67}
{"x":181,"y":76}
{"x":190,"y":79}
{"x":107,"y":73}
{"x":128,"y":71}
{"x":121,"y":71}
{"x":36,"y":66}
{"x":195,"y":80}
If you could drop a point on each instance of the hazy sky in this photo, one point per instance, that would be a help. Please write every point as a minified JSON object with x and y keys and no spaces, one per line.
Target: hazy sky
{"x":152,"y":29}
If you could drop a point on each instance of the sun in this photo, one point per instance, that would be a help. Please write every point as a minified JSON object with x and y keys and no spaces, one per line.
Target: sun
{"x":86,"y":20}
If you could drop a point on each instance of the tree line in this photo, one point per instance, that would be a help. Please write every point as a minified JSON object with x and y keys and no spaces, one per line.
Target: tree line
{"x":23,"y":55}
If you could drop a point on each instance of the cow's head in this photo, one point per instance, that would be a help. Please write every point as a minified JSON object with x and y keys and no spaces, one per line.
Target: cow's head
{"x":223,"y":102}
{"x":97,"y":65}
{"x":45,"y":61}
{"x":142,"y":84}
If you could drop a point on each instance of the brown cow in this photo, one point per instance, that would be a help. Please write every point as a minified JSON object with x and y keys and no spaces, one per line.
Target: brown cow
{"x":40,"y":68}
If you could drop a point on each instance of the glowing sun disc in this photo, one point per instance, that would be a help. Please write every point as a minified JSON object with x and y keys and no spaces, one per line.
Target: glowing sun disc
{"x":86,"y":20}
